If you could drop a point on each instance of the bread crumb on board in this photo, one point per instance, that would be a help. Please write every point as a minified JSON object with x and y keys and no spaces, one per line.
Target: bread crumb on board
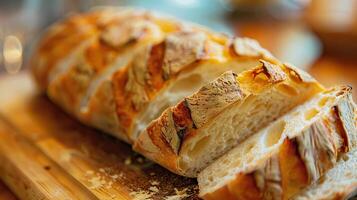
{"x":153,"y":189}
{"x":180,"y":194}
{"x":102,"y":178}
{"x":141,"y":195}
{"x":105,"y":178}
{"x":145,"y":194}
{"x":127,"y":161}
{"x":154,"y":182}
{"x":148,"y":194}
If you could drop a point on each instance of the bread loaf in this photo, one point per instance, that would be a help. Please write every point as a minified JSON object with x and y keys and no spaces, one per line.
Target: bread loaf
{"x":203,"y":126}
{"x":288,"y":155}
{"x":116,"y":69}
{"x":338,"y":183}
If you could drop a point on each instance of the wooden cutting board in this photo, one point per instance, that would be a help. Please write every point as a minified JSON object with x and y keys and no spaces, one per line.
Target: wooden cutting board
{"x":45,"y":154}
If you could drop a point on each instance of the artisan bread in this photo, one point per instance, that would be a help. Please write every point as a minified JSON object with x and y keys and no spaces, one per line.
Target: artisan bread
{"x":289,"y":154}
{"x":339,"y":182}
{"x":118,"y":69}
{"x":206,"y":124}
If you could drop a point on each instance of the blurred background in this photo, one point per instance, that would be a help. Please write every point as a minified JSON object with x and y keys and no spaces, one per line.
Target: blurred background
{"x":319,"y":36}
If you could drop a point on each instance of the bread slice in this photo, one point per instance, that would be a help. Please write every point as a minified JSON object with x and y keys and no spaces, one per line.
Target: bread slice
{"x":118,"y":69}
{"x":339,"y":182}
{"x":289,"y":154}
{"x":203,"y":126}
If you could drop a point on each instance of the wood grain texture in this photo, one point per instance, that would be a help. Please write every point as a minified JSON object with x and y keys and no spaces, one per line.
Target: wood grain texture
{"x":30,"y":174}
{"x":5,"y":193}
{"x":105,"y":167}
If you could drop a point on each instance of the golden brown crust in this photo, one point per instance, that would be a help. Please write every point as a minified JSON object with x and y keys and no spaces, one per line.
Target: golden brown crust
{"x":70,"y":80}
{"x":59,"y":41}
{"x":262,"y":77}
{"x":78,"y":53}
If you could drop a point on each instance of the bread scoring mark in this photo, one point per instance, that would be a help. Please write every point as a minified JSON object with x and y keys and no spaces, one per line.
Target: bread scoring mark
{"x":343,"y":90}
{"x":59,"y":42}
{"x":181,"y":49}
{"x":169,"y":132}
{"x":99,"y":61}
{"x":318,"y":147}
{"x":246,"y":47}
{"x":130,"y":31}
{"x":124,"y":109}
{"x":268,"y":179}
{"x":156,"y":76}
{"x":212,"y":98}
{"x":298,"y":75}
{"x":344,"y":113}
{"x":293,"y":170}
{"x":244,"y":186}
{"x":342,"y":131}
{"x":137,"y":81}
{"x":157,"y":133}
{"x":183,"y":121}
{"x":274,"y":72}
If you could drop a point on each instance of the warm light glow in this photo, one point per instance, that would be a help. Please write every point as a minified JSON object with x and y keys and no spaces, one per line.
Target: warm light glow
{"x":12,"y":53}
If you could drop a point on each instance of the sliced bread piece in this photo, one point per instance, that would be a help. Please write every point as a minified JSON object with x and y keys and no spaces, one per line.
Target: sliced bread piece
{"x":288,"y":155}
{"x":203,"y":126}
{"x":339,"y":182}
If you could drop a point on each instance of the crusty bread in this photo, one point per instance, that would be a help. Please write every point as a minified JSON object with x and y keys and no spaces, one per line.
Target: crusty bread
{"x":117,"y":69}
{"x":339,"y":182}
{"x":203,"y":126}
{"x":289,"y":154}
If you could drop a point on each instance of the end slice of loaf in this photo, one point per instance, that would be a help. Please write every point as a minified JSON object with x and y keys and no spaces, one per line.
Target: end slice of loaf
{"x":339,"y":182}
{"x":203,"y":126}
{"x":288,"y":155}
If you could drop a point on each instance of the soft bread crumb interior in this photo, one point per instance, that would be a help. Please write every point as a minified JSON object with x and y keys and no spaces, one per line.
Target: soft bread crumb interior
{"x":188,"y":82}
{"x":257,"y":148}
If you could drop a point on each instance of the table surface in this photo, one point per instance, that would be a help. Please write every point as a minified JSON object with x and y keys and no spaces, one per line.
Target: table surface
{"x":5,"y":193}
{"x":328,"y":69}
